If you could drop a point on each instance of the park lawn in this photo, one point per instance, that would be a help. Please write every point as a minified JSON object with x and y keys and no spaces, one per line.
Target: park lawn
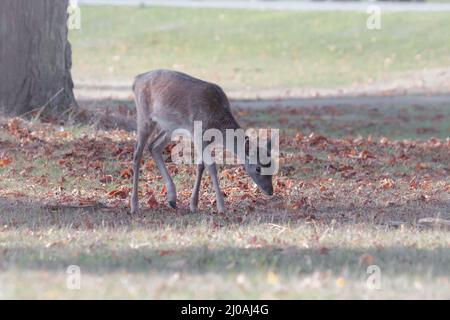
{"x":256,"y":50}
{"x":347,"y":197}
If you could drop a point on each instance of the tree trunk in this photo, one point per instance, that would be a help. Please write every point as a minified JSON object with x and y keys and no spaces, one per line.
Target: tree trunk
{"x":35,"y":57}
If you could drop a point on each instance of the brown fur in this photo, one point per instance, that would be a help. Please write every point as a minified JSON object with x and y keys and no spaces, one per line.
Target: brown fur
{"x":169,"y":100}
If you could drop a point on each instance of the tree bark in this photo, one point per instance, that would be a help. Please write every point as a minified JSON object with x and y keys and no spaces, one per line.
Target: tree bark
{"x":35,"y":57}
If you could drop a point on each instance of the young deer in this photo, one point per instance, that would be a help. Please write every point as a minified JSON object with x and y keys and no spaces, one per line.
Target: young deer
{"x":167,"y":101}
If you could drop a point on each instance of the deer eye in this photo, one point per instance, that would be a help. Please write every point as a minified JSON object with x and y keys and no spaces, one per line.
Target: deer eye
{"x":258,"y":169}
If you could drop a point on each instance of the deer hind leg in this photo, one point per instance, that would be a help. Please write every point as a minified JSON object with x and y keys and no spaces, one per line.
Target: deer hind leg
{"x":156,"y":148}
{"x":143,"y":134}
{"x":194,"y":198}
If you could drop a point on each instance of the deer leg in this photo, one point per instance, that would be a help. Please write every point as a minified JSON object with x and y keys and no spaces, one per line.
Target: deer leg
{"x":195,"y":192}
{"x":142,"y":137}
{"x":212,"y":169}
{"x":156,"y":149}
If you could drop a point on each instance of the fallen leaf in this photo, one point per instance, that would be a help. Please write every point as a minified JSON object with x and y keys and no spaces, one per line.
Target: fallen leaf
{"x":151,"y":202}
{"x":324,"y":250}
{"x":126,"y":173}
{"x":272,"y":278}
{"x":413,"y":183}
{"x":387,"y":184}
{"x":298,"y":137}
{"x":122,"y":193}
{"x":366,"y":260}
{"x":340,"y":282}
{"x":4,"y":162}
{"x":106,"y":179}
{"x":163,"y":253}
{"x":422,"y":166}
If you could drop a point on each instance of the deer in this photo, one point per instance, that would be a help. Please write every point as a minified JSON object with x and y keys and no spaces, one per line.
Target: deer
{"x":167,"y":100}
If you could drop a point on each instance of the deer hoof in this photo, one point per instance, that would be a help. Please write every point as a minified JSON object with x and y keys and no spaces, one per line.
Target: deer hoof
{"x":173,"y":204}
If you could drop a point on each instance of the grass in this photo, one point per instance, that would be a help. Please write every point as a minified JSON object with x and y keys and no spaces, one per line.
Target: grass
{"x":347,"y":196}
{"x":192,"y":257}
{"x":403,"y":122}
{"x":257,"y":49}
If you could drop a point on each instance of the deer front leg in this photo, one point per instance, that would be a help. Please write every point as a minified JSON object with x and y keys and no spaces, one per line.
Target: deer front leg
{"x":212,"y":169}
{"x":195,"y":192}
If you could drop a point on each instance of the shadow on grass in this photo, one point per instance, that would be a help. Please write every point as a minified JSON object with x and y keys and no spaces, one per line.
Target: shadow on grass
{"x":287,"y":261}
{"x":37,"y":215}
{"x":104,"y":244}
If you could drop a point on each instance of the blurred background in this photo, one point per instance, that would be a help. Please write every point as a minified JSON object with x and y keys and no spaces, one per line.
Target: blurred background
{"x":265,"y":48}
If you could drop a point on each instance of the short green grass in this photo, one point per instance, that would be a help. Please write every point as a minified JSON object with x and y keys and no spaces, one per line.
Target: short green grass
{"x":400,"y":122}
{"x":257,"y":49}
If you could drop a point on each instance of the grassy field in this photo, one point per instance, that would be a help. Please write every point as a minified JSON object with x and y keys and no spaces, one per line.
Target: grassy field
{"x":353,"y":186}
{"x":257,"y":49}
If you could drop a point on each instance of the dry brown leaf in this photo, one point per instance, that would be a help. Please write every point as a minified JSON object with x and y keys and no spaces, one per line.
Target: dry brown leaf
{"x":126,"y":173}
{"x":4,"y":162}
{"x":387,"y":184}
{"x":366,"y":260}
{"x":422,"y":166}
{"x":122,"y":193}
{"x":151,"y":202}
